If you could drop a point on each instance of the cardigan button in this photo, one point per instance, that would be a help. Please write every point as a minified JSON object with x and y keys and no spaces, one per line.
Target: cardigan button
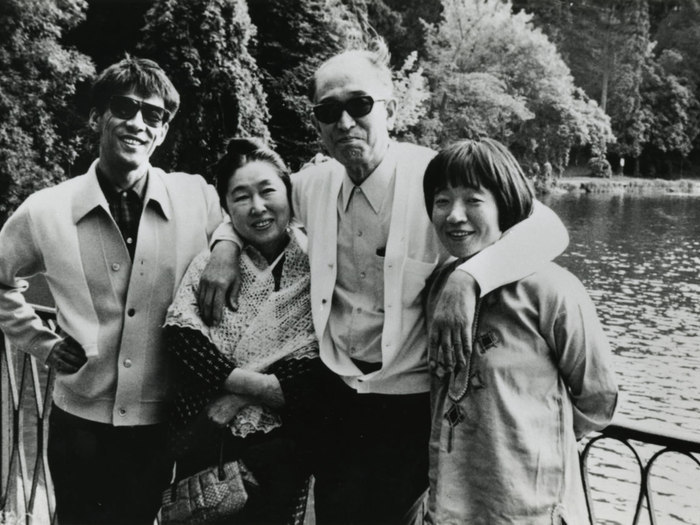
{"x":122,"y":411}
{"x":127,"y":363}
{"x":116,"y":266}
{"x":131,"y":312}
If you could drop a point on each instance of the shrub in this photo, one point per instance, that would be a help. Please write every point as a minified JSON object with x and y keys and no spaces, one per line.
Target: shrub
{"x":600,"y":167}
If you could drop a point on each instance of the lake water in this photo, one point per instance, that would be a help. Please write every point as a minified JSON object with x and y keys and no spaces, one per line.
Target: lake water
{"x":639,"y":258}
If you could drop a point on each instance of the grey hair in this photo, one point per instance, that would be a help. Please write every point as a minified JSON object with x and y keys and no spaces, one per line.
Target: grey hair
{"x":376,"y":54}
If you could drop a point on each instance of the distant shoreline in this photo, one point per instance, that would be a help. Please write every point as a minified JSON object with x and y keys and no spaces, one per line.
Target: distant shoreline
{"x":626,"y":185}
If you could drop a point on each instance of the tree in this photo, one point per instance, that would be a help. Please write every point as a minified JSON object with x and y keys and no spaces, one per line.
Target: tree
{"x":38,"y":79}
{"x":205,"y":47}
{"x":672,"y":112}
{"x":403,"y":24}
{"x":492,"y":73}
{"x":679,"y":31}
{"x":412,"y":94}
{"x":604,"y":44}
{"x":288,"y":53}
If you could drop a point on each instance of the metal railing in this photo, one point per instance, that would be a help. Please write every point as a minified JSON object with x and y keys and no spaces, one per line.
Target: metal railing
{"x":27,"y":496}
{"x":630,"y":434}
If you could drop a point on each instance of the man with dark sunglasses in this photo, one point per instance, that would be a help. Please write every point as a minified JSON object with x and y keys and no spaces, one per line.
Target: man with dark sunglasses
{"x":371,"y":249}
{"x":113,"y":245}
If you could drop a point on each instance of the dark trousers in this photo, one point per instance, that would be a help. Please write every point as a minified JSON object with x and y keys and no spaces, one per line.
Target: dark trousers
{"x":106,"y":475}
{"x":373,"y":457}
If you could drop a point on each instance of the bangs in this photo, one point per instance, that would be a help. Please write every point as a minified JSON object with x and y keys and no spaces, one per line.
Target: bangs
{"x":463,"y":169}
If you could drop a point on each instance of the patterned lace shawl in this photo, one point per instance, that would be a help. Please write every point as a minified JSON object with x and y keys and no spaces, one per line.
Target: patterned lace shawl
{"x":268,"y":326}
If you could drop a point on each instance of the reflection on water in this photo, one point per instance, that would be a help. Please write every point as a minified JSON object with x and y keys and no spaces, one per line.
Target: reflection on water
{"x":639,"y":257}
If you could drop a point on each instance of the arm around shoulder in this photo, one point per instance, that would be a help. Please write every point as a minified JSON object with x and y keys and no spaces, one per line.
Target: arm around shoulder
{"x":215,"y":215}
{"x":220,"y":280}
{"x":520,"y":251}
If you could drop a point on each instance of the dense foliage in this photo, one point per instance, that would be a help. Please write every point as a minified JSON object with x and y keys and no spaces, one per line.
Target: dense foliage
{"x":203,"y":45}
{"x":602,"y":80}
{"x":492,"y":73}
{"x":38,"y":126}
{"x":639,"y":60}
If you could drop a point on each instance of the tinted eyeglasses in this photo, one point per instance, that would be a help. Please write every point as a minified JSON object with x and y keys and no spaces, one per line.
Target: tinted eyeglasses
{"x":127,"y":107}
{"x":330,"y":112}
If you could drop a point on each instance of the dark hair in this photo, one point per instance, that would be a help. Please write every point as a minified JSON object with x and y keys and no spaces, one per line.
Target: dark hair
{"x":477,"y":163}
{"x":143,"y":76}
{"x":376,"y":54}
{"x":243,"y":151}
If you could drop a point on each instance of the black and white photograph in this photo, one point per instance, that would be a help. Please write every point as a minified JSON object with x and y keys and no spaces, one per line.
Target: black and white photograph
{"x":350,"y":262}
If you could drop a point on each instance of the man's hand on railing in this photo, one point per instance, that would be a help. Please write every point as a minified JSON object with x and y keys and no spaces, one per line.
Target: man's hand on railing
{"x":67,"y":356}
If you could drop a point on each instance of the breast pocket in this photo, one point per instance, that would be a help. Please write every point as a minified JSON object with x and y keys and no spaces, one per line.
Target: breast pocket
{"x":415,"y":274}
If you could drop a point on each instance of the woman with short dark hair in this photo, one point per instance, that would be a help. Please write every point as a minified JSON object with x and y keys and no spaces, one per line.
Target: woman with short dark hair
{"x":539,"y":375}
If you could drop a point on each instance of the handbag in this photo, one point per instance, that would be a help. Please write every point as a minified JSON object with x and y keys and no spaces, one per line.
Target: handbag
{"x":211,"y":495}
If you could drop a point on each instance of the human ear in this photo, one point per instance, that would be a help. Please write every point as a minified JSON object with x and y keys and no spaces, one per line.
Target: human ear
{"x":94,"y":120}
{"x":390,"y":106}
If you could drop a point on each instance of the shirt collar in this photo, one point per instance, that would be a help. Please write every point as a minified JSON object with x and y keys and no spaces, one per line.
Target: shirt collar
{"x":91,"y":196}
{"x":157,"y":193}
{"x":112,"y":192}
{"x":375,"y":186}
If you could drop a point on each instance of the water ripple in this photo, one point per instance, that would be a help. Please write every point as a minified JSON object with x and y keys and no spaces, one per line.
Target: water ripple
{"x":638,"y":258}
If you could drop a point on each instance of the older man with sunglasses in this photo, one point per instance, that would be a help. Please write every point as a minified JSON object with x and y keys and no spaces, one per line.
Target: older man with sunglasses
{"x":371,"y":249}
{"x":113,"y":245}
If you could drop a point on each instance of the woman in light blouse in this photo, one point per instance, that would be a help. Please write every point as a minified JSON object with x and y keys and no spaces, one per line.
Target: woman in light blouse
{"x":539,"y":374}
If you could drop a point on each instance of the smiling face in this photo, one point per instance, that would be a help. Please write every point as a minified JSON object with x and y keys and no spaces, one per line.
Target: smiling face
{"x":466,"y":219}
{"x":126,"y":145}
{"x":257,"y":202}
{"x":358,"y":143}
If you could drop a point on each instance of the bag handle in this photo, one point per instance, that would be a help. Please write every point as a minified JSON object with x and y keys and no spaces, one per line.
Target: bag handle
{"x":222,"y":472}
{"x":220,"y":467}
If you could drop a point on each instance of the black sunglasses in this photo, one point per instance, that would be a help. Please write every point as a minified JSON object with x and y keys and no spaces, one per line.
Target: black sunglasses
{"x":127,"y":107}
{"x":330,"y":112}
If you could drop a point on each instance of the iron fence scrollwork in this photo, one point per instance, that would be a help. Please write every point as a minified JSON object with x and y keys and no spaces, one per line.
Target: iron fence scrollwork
{"x":26,"y":495}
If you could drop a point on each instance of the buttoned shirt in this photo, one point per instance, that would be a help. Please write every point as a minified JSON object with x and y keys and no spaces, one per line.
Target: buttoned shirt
{"x":125,"y":205}
{"x":364,"y":214}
